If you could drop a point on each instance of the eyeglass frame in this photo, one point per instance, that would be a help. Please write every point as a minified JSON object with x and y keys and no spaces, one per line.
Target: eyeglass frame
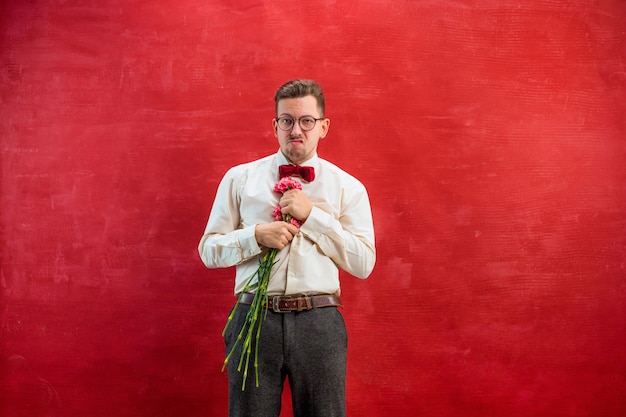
{"x":293,"y":122}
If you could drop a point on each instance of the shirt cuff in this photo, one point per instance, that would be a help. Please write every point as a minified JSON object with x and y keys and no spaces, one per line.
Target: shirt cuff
{"x":316,"y":224}
{"x":247,"y":243}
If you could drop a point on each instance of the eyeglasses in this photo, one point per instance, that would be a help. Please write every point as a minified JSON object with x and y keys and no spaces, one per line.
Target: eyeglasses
{"x":306,"y":122}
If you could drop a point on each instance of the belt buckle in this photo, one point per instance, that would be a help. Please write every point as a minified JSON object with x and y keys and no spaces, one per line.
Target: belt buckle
{"x":276,"y":304}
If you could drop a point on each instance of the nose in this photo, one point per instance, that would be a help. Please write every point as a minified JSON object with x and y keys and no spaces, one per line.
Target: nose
{"x":296,"y":130}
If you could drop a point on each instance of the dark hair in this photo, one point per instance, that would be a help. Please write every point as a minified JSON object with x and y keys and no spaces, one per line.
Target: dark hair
{"x":301,"y":88}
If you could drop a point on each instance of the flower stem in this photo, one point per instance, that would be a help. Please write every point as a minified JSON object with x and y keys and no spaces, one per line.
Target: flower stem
{"x":247,"y":332}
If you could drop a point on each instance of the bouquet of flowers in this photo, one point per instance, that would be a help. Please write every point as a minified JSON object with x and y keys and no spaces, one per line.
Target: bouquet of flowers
{"x":258,"y":282}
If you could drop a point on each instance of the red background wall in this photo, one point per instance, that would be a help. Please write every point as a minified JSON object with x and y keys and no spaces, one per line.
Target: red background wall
{"x":490,"y":134}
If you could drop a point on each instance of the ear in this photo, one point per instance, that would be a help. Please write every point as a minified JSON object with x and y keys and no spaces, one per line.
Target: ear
{"x":324,"y":128}
{"x":275,"y":127}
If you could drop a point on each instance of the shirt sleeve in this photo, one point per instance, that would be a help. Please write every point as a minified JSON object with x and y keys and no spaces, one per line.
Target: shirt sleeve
{"x":349,"y":239}
{"x":224,"y":242}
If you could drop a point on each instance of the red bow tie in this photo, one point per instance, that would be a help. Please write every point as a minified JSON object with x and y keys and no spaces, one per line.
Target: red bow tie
{"x":306,"y":173}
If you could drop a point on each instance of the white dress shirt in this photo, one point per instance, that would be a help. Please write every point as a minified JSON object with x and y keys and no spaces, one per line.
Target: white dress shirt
{"x":339,"y":232}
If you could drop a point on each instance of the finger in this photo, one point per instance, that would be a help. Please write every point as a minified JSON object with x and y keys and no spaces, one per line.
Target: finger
{"x":292,"y":229}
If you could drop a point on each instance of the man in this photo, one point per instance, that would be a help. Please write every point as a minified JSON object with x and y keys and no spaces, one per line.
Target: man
{"x":303,"y":337}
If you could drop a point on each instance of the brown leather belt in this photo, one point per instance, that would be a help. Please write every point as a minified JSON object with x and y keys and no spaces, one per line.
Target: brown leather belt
{"x":285,"y":304}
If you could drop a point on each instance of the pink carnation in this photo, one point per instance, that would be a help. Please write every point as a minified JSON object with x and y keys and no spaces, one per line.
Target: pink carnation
{"x":278,"y":215}
{"x":286,"y":184}
{"x":296,"y":222}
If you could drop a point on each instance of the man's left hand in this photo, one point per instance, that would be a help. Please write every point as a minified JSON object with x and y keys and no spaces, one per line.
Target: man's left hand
{"x":296,"y":204}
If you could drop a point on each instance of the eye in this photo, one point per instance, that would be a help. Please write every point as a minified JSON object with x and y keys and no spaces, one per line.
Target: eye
{"x":307,"y":121}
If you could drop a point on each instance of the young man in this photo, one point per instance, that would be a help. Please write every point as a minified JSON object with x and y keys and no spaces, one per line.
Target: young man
{"x":303,"y":337}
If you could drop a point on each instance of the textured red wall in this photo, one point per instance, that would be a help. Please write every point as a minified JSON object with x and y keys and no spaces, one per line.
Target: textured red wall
{"x":490,"y":134}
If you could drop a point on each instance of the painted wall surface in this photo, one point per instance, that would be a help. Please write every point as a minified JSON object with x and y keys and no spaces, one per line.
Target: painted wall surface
{"x":491,"y":136}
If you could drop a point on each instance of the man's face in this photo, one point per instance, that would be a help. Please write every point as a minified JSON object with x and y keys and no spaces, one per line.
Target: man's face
{"x":298,"y":145}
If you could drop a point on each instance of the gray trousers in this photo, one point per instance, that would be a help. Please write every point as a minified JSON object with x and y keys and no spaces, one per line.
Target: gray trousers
{"x":309,"y":348}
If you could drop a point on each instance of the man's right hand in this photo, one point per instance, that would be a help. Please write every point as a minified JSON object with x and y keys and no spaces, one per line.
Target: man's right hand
{"x":275,"y":235}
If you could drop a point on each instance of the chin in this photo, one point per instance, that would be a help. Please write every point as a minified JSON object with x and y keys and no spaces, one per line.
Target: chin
{"x":294,"y":158}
